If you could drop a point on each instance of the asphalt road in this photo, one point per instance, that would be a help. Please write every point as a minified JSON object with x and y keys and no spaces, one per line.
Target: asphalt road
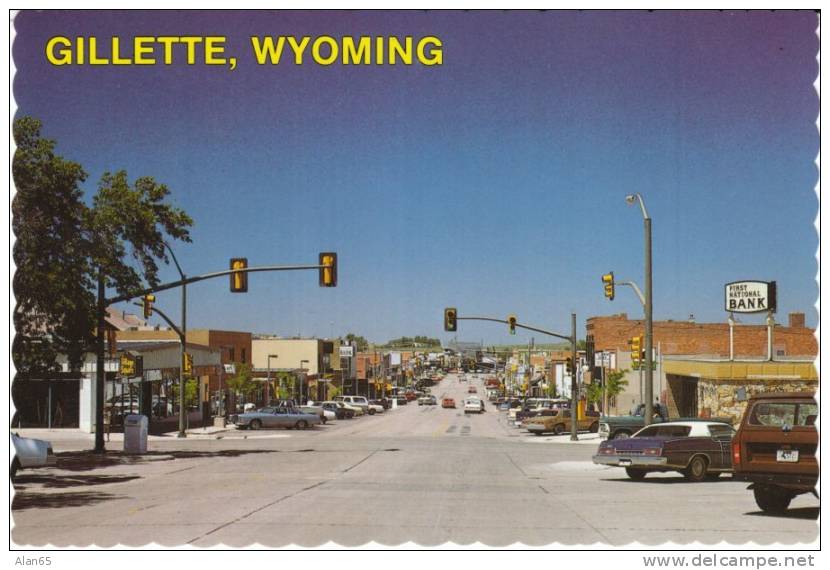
{"x":418,"y":474}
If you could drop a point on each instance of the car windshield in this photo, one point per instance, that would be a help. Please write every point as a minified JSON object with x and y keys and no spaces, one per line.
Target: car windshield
{"x":664,"y":431}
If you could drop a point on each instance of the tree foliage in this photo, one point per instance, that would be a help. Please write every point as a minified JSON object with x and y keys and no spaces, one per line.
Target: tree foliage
{"x":62,"y":243}
{"x":243,"y":382}
{"x":615,"y":383}
{"x":362,"y":343}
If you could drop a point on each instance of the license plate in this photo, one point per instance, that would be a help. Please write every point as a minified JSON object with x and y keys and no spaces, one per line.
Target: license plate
{"x":787,"y":455}
{"x":625,"y":462}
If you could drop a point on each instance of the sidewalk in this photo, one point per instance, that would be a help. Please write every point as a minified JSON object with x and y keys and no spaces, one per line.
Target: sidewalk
{"x":56,"y":435}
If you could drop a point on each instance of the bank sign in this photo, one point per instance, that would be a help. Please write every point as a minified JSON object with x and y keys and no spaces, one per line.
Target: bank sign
{"x":750,"y":297}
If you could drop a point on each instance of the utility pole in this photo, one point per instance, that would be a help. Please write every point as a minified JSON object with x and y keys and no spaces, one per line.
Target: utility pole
{"x":574,"y":385}
{"x":99,"y":365}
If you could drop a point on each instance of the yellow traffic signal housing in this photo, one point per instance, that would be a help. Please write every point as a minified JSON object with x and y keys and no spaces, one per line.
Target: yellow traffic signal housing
{"x":148,"y":301}
{"x":636,"y":347}
{"x":511,"y":322}
{"x":450,"y":319}
{"x":569,"y":366}
{"x":608,"y":282}
{"x":187,"y":363}
{"x":239,"y":279}
{"x":328,"y":273}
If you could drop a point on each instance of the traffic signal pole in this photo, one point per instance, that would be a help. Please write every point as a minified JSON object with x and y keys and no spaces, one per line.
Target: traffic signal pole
{"x":101,"y":308}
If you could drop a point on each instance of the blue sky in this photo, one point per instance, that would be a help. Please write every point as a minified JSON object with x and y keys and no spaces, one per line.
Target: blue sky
{"x":494,"y":182}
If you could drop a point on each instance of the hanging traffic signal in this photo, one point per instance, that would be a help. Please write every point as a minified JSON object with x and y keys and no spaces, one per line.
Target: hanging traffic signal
{"x":239,"y":279}
{"x":511,"y":322}
{"x":450,"y":319}
{"x":608,"y":282}
{"x":148,"y":305}
{"x":328,"y":273}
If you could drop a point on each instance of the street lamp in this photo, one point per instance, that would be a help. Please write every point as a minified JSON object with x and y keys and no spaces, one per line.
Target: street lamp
{"x":649,"y":375}
{"x":268,"y":379}
{"x":303,"y":370}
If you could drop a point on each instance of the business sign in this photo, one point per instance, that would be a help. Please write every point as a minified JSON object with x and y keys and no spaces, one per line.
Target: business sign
{"x":230,"y":368}
{"x":750,"y":297}
{"x":130,"y":365}
{"x":346,"y":351}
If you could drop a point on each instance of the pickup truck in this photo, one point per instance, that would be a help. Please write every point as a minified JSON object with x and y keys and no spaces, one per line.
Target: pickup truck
{"x":620,"y":427}
{"x":775,"y":448}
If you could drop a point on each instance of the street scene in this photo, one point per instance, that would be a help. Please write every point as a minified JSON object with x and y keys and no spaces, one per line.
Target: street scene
{"x":477,"y":279}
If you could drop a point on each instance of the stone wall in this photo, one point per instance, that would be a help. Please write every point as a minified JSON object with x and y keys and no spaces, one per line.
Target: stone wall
{"x":718,"y":398}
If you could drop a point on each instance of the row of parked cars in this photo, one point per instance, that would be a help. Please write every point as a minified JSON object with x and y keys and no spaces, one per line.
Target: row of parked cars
{"x":287,"y":414}
{"x":774,"y":449}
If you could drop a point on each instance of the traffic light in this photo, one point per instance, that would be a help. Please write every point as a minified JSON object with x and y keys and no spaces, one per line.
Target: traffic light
{"x":328,"y":273}
{"x":450,"y":322}
{"x":636,"y":349}
{"x":511,"y":322}
{"x":608,"y":282}
{"x":569,"y":366}
{"x":148,"y":305}
{"x":187,"y":363}
{"x":239,"y":279}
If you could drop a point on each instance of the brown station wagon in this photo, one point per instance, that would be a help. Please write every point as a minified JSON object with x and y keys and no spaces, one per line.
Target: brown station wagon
{"x":775,"y":448}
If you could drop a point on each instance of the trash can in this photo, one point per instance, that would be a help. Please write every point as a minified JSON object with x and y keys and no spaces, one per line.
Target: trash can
{"x":135,"y":434}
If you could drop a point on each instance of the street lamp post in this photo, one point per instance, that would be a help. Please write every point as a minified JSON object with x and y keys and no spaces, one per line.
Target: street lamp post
{"x":268,"y":379}
{"x":303,"y":381}
{"x":649,"y":340}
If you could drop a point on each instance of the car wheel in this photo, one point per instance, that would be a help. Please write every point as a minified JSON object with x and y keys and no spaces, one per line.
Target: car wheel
{"x":14,"y":467}
{"x":594,"y":427}
{"x":696,"y":470}
{"x":559,"y":429}
{"x":772,"y":500}
{"x":371,"y":412}
{"x":635,"y":474}
{"x":621,"y":435}
{"x":302,"y":424}
{"x":324,"y":419}
{"x":256,"y":424}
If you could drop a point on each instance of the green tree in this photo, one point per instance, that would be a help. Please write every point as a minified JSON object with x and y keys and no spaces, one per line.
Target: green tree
{"x":615,"y":383}
{"x":362,"y":343}
{"x":62,"y":245}
{"x":242,"y":383}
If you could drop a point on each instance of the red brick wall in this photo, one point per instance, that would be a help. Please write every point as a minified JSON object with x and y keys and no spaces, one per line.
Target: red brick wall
{"x":681,"y":337}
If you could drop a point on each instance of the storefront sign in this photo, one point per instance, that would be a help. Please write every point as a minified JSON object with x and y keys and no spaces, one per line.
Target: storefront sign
{"x":750,"y":297}
{"x":346,"y":351}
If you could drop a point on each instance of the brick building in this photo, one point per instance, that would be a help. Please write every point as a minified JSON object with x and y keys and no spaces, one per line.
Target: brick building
{"x":686,"y":350}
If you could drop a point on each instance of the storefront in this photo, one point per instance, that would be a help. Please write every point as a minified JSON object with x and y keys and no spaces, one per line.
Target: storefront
{"x":720,"y":388}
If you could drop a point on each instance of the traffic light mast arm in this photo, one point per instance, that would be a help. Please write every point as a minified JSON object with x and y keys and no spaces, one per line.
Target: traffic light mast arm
{"x":519,"y":325}
{"x":166,"y":319}
{"x":636,"y":290}
{"x":197,"y":278}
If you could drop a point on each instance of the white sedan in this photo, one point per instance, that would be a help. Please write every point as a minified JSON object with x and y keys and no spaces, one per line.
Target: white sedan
{"x":30,"y":453}
{"x":473,"y":406}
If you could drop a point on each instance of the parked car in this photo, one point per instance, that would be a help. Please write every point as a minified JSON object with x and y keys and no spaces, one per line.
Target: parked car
{"x":775,"y":448}
{"x":699,"y":450}
{"x":473,"y":406}
{"x":401,"y":400}
{"x":448,"y":403}
{"x":340,"y":410}
{"x":270,"y":417}
{"x":427,"y":400}
{"x":376,"y":408}
{"x":357,"y":401}
{"x":30,"y":452}
{"x":385,"y":402}
{"x":325,"y":415}
{"x":410,"y":396}
{"x":540,"y":407}
{"x":472,"y":390}
{"x":560,"y":422}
